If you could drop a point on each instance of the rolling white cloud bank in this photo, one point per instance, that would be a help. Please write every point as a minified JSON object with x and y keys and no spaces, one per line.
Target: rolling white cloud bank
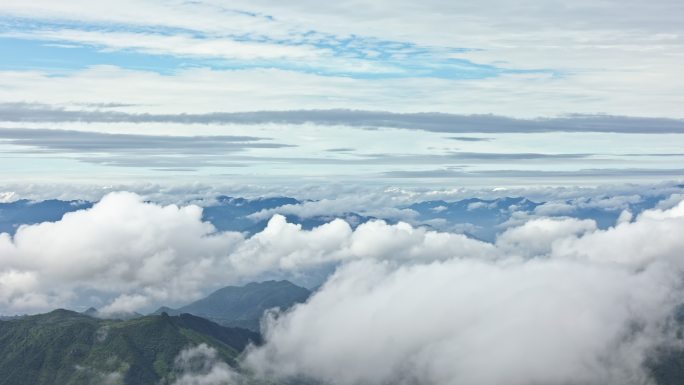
{"x":553,"y":301}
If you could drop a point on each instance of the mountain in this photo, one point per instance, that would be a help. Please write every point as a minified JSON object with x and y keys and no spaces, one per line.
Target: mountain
{"x":478,"y":218}
{"x":231,"y":214}
{"x":243,"y":306}
{"x":484,"y":219}
{"x":69,"y":348}
{"x":14,"y":214}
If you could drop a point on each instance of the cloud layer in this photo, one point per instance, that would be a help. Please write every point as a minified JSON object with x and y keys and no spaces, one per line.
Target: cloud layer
{"x":146,"y":253}
{"x":563,"y":303}
{"x":553,"y":300}
{"x":434,"y":122}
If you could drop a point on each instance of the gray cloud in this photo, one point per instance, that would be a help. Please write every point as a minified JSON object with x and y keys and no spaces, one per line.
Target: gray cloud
{"x":469,"y":139}
{"x":449,"y":158}
{"x":161,"y":152}
{"x":163,"y":162}
{"x":186,"y":152}
{"x":81,"y":141}
{"x":457,"y":173}
{"x":341,"y":149}
{"x":428,"y":121}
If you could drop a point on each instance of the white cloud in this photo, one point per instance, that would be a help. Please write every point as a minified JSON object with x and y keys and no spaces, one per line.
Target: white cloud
{"x":588,"y":307}
{"x":652,"y":236}
{"x":374,"y":205}
{"x":142,"y":254}
{"x":468,"y":321}
{"x":121,"y":245}
{"x":625,"y":217}
{"x":670,"y":202}
{"x":554,"y":208}
{"x":200,"y":365}
{"x":605,"y":203}
{"x":125,"y":304}
{"x":517,"y":95}
{"x":147,"y":253}
{"x":537,"y":236}
{"x":602,"y":53}
{"x":177,"y":45}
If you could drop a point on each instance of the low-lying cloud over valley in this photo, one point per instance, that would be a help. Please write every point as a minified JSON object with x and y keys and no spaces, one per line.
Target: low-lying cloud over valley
{"x":586,"y":305}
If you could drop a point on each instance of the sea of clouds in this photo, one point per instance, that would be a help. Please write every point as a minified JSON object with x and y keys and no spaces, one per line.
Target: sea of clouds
{"x":554,"y":300}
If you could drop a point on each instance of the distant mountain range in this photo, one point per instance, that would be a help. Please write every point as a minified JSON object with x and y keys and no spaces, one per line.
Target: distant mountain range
{"x":243,"y":306}
{"x":68,"y":348}
{"x":26,"y":212}
{"x":226,"y":214}
{"x":232,"y":214}
{"x":478,"y":218}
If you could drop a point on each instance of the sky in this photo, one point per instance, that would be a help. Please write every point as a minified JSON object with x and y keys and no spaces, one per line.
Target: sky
{"x":385,"y":120}
{"x":387,"y":93}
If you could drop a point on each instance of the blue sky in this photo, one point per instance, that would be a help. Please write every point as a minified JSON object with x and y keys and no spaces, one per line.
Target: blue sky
{"x":58,"y":46}
{"x":104,"y":77}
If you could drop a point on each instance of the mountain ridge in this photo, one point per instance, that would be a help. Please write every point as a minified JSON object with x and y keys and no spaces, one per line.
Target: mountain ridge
{"x":70,"y":348}
{"x":243,"y":306}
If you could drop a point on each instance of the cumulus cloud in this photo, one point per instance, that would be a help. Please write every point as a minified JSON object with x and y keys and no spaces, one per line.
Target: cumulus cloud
{"x":653,"y":236}
{"x":121,"y":245}
{"x":143,"y":253}
{"x":285,"y":246}
{"x":537,"y":236}
{"x":137,"y":255}
{"x":576,"y":306}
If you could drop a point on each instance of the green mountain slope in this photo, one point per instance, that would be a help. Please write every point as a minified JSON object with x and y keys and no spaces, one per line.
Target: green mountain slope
{"x":243,"y":306}
{"x":68,"y":348}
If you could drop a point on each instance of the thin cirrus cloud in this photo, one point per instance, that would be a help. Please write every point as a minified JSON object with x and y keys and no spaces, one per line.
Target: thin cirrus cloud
{"x":426,"y":121}
{"x":301,"y":50}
